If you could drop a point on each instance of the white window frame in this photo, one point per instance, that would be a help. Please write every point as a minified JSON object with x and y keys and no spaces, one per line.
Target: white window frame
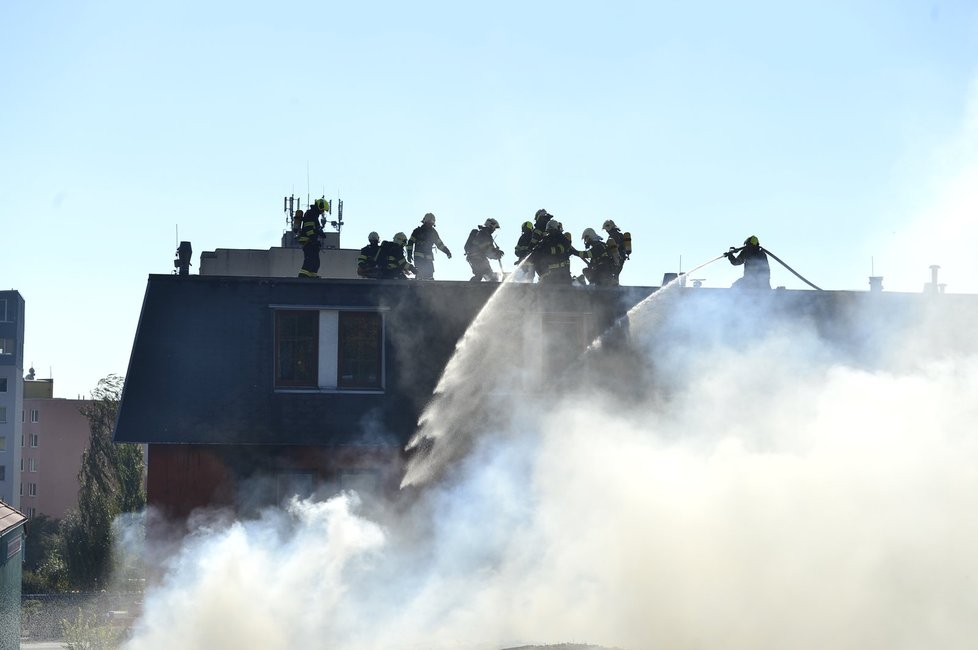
{"x":31,"y":464}
{"x":32,"y":489}
{"x":35,"y":415}
{"x":35,"y":443}
{"x":3,"y":415}
{"x":3,"y":310}
{"x":3,"y":384}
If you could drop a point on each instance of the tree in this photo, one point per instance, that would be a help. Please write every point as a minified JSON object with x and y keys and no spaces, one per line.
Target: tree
{"x":111,"y":479}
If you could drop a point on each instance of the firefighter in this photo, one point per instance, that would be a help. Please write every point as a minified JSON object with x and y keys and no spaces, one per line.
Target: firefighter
{"x":540,"y":221}
{"x":601,"y":266}
{"x":479,"y":248}
{"x":620,"y":246}
{"x":310,"y":238}
{"x":757,"y":270}
{"x":367,"y":261}
{"x":391,"y":263}
{"x":524,"y":246}
{"x":552,"y":255}
{"x":420,"y":248}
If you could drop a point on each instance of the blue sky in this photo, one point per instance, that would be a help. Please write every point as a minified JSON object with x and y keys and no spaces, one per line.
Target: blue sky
{"x":843,"y":134}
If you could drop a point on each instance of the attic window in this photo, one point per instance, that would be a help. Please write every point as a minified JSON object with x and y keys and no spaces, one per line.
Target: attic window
{"x":296,"y":348}
{"x":359,"y":350}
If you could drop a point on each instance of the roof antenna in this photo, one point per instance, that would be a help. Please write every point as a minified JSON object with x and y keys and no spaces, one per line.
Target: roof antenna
{"x":308,"y":191}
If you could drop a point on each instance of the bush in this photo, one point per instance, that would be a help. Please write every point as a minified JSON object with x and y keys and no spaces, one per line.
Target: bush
{"x":85,"y":633}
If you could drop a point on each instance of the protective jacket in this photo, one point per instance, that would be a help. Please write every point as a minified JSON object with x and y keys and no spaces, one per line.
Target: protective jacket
{"x":423,"y":239}
{"x":551,"y":257}
{"x":481,"y":244}
{"x":391,"y":262}
{"x":615,"y":235}
{"x":602,"y":269}
{"x":479,"y":247}
{"x":524,"y":246}
{"x":309,"y":230}
{"x":367,"y":261}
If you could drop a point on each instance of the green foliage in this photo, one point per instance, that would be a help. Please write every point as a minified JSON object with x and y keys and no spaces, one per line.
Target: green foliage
{"x":42,"y":537}
{"x":85,"y":633}
{"x":111,"y":483}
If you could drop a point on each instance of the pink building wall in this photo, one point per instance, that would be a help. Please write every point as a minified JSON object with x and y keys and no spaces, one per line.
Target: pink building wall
{"x":61,"y":436}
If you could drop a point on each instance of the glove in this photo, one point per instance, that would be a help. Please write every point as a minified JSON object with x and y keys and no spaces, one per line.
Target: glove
{"x":448,"y":253}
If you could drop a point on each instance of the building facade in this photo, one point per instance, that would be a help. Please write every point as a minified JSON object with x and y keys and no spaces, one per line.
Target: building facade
{"x":55,"y":435}
{"x":11,"y":393}
{"x":243,"y":386}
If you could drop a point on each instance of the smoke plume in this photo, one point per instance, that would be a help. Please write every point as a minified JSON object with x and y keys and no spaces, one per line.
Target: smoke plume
{"x":761,"y":475}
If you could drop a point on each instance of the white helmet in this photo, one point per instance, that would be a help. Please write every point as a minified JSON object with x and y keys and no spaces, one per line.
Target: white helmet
{"x":373,"y":238}
{"x":554,"y":225}
{"x":608,"y":225}
{"x":400,"y":239}
{"x":429,"y":218}
{"x":492,"y":223}
{"x":590,"y":235}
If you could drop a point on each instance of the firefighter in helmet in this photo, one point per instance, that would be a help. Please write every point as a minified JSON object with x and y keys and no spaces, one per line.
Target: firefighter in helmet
{"x":601,"y":267}
{"x":367,"y":260}
{"x":757,"y":270}
{"x":420,"y":248}
{"x":311,"y":237}
{"x":552,"y":255}
{"x":391,"y":262}
{"x":479,"y":248}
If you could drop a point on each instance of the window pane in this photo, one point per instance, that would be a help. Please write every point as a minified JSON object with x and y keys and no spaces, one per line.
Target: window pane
{"x":3,"y":414}
{"x":296,"y":348}
{"x":6,"y":346}
{"x":3,"y":384}
{"x":359,"y":350}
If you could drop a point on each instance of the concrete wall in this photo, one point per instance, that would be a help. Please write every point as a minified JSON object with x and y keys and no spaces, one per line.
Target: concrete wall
{"x":277,"y":262}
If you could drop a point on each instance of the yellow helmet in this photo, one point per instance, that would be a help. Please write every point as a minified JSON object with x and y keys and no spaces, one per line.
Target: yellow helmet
{"x":752,"y":241}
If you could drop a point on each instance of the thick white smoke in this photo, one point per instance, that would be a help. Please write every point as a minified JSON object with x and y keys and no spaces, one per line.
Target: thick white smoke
{"x":766,"y":483}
